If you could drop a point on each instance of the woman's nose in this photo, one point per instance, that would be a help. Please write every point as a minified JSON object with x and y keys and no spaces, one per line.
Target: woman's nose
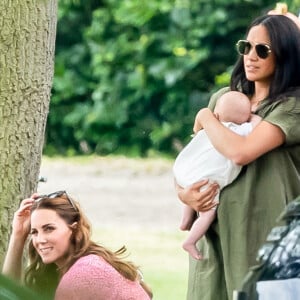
{"x":252,"y":53}
{"x":40,"y":238}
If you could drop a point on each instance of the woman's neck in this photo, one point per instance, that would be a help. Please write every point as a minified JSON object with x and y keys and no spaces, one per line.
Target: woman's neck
{"x":261,"y":92}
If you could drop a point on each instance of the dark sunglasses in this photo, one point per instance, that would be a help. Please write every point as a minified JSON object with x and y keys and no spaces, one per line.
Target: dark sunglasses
{"x":262,"y":50}
{"x":57,"y":195}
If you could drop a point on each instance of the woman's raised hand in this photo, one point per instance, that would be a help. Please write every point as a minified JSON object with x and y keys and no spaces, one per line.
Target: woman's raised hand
{"x":12,"y":265}
{"x":21,"y":220}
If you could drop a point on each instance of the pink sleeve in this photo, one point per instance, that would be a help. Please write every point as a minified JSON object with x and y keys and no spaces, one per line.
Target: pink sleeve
{"x":92,"y":278}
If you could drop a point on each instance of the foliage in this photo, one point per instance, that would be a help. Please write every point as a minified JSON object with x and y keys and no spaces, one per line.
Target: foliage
{"x":131,"y":75}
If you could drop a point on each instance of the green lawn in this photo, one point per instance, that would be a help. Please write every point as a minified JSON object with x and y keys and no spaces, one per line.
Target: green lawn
{"x":159,"y":254}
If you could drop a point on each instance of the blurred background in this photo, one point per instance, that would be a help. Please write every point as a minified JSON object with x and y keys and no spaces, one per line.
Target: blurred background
{"x":131,"y":75}
{"x":129,"y":79}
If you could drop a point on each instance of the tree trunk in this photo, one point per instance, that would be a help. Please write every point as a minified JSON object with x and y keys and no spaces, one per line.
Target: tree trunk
{"x":27,"y":43}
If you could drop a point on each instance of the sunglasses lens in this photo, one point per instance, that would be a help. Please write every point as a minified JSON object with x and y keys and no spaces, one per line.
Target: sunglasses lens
{"x":262,"y":51}
{"x":56,"y":194}
{"x":243,"y":47}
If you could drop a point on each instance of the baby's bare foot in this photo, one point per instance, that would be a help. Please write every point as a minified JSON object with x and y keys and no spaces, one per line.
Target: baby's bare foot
{"x":192,"y":250}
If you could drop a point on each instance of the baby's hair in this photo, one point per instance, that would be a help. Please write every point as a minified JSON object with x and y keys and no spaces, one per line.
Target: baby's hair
{"x":233,"y":107}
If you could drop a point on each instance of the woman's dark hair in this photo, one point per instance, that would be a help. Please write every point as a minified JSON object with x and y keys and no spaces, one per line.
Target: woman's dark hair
{"x":285,"y":44}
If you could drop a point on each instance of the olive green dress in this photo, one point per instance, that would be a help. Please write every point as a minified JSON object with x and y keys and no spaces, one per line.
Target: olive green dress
{"x":248,"y":208}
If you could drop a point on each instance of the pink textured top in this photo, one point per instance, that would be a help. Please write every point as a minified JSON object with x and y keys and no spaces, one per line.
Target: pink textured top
{"x":92,"y":278}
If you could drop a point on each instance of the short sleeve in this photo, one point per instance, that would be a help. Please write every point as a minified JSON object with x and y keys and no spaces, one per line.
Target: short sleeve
{"x":286,"y":115}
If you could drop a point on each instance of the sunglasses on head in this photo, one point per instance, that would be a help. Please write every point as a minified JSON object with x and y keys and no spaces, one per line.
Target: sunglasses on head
{"x":57,"y":195}
{"x":262,"y":50}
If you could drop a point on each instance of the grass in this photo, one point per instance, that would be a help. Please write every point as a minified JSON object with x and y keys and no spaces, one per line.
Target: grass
{"x":159,"y":255}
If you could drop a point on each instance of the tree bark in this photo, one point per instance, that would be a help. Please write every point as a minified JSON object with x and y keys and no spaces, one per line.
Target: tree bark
{"x":27,"y":43}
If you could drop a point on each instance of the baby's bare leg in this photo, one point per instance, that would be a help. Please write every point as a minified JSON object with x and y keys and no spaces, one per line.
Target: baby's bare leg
{"x":188,"y":218}
{"x":198,"y":229}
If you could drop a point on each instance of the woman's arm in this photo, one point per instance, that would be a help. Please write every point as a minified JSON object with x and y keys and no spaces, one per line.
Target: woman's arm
{"x":12,"y":266}
{"x":240,"y":149}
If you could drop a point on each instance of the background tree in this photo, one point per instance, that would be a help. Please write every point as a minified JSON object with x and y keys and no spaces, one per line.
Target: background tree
{"x":27,"y":40}
{"x":131,"y":75}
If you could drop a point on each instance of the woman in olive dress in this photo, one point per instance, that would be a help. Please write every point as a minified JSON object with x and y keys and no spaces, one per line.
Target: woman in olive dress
{"x":268,"y":72}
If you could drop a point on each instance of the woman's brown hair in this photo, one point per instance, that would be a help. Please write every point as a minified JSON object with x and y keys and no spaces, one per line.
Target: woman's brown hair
{"x":43,"y":277}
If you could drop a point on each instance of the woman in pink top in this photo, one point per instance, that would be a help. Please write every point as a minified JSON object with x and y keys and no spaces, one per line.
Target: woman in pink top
{"x":64,"y":262}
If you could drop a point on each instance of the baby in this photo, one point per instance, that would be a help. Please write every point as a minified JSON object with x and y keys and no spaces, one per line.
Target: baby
{"x":200,"y":160}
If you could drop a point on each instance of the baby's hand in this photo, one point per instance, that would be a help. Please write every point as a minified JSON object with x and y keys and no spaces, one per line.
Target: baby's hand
{"x":200,"y":118}
{"x":196,"y":128}
{"x":197,"y":123}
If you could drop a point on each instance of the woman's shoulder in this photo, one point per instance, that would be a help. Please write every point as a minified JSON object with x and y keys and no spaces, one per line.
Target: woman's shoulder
{"x":287,"y":103}
{"x":285,"y":114}
{"x":88,"y":259}
{"x":216,"y":95}
{"x":90,"y":262}
{"x":90,"y":274}
{"x":91,"y":277}
{"x":86,"y":270}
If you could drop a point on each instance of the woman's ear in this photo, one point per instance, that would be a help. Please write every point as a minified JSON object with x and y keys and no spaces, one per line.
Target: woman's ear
{"x":74,"y":225}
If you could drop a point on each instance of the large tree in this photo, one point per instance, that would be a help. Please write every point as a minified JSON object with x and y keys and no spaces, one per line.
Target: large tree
{"x":27,"y":43}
